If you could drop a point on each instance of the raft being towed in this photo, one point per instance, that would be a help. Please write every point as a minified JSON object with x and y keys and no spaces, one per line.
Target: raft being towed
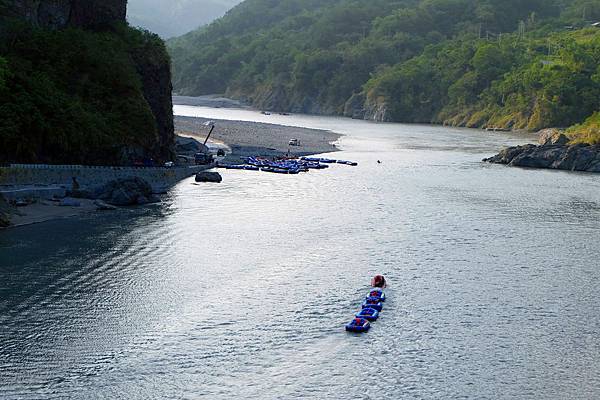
{"x":371,"y":309}
{"x":358,"y":325}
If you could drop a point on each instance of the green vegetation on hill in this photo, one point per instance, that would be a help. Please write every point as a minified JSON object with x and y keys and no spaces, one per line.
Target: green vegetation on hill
{"x":75,"y":96}
{"x":511,"y":63}
{"x":588,"y":131}
{"x":513,"y":82}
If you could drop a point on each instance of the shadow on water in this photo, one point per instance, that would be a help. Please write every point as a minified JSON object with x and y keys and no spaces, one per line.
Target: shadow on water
{"x":36,"y":256}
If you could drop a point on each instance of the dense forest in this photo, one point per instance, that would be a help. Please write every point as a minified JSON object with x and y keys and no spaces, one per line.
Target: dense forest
{"x":82,"y":96}
{"x":514,"y":63}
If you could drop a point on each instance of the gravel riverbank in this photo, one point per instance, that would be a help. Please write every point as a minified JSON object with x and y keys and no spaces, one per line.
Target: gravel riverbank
{"x":253,"y":138}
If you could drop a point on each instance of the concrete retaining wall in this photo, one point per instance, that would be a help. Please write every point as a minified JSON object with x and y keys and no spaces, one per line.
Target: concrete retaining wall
{"x":161,"y":179}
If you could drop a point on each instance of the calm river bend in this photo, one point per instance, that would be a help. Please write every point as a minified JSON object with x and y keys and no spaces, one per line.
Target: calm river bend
{"x":242,"y":290}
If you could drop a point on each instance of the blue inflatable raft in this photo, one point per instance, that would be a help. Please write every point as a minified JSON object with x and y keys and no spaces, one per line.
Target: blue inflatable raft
{"x":370,"y":314}
{"x":327,"y":160}
{"x":358,"y":325}
{"x":350,"y":163}
{"x":373,"y":302}
{"x":310,"y":159}
{"x":378,"y":294}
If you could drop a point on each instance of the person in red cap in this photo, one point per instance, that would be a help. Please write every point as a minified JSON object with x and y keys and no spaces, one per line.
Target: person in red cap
{"x":378,"y":281}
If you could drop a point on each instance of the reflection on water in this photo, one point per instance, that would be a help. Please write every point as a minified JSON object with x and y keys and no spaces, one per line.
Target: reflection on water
{"x":242,"y":290}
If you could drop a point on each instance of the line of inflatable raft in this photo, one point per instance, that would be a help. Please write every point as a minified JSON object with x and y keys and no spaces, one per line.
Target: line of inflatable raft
{"x":371,"y":307}
{"x":285,"y":166}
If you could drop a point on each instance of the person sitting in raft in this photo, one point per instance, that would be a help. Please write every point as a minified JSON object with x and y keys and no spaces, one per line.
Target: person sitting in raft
{"x":378,"y":281}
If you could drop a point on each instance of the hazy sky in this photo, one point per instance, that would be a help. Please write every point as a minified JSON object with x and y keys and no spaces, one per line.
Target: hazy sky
{"x":171,"y":18}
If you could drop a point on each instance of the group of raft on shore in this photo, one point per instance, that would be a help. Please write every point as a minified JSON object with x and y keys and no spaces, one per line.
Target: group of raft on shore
{"x":285,"y":165}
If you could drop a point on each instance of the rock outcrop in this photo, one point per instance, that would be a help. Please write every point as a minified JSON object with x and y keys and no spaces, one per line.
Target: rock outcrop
{"x":211,"y":177}
{"x":125,"y":192}
{"x":56,"y":14}
{"x":552,"y":136}
{"x":271,"y":98}
{"x":376,"y":109}
{"x":354,"y":107}
{"x":579,"y":157}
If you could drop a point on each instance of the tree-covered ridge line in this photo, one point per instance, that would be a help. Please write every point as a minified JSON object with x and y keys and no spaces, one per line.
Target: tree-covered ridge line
{"x":516,"y":63}
{"x":517,"y":82}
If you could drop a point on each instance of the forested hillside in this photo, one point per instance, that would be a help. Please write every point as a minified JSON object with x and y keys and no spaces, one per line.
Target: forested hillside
{"x":78,"y":86}
{"x":511,"y":63}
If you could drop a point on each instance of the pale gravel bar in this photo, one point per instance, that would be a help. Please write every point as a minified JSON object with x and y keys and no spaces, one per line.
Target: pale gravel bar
{"x":261,"y":139}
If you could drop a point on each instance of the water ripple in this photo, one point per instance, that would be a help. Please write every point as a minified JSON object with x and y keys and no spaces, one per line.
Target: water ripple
{"x":242,"y":290}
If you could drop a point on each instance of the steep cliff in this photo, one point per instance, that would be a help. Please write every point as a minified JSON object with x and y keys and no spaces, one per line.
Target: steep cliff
{"x":80,"y":86}
{"x":96,"y":14}
{"x":154,"y":66}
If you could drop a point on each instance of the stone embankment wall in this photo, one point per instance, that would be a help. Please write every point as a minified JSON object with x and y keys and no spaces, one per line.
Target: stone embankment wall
{"x":23,"y":175}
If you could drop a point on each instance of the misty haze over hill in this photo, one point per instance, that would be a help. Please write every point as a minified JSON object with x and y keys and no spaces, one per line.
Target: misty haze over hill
{"x":171,"y":18}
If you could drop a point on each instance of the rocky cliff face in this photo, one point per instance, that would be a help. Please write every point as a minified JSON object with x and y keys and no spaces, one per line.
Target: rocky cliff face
{"x":151,"y":59}
{"x":97,"y":13}
{"x":55,"y":14}
{"x":157,"y":87}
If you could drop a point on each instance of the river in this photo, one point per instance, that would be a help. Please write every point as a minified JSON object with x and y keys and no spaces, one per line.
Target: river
{"x":242,"y":290}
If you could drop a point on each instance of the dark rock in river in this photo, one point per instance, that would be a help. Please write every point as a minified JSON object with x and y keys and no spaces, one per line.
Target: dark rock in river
{"x":579,"y":157}
{"x":126,"y":192}
{"x":212,"y":177}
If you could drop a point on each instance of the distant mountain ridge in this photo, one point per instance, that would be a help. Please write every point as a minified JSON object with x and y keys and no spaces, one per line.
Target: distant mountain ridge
{"x":176,"y":17}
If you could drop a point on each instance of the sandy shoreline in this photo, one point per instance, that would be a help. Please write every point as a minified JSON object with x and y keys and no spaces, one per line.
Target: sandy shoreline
{"x":260,"y":139}
{"x":45,"y":210}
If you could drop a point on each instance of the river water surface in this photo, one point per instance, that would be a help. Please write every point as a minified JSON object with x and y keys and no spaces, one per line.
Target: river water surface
{"x":242,"y":290}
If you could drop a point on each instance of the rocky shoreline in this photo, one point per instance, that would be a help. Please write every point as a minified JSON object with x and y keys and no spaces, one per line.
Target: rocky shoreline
{"x":239,"y":138}
{"x":553,"y":152}
{"x":108,"y":197}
